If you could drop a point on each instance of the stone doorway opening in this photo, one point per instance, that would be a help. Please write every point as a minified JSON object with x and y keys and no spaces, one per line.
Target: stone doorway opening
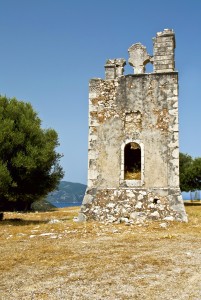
{"x":132,"y":161}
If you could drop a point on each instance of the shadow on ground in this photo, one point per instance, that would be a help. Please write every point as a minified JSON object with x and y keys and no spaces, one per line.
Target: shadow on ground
{"x":192,"y":203}
{"x":21,"y":222}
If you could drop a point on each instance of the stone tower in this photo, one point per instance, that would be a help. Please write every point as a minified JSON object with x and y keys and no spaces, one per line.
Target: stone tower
{"x":133,"y":149}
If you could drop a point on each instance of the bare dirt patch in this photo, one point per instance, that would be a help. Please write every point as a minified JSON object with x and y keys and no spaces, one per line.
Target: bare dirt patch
{"x":48,"y":256}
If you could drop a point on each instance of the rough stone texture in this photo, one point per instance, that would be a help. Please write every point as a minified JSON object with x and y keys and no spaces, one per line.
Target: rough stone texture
{"x":135,"y":109}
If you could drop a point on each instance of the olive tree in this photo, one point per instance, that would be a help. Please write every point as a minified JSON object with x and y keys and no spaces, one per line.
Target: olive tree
{"x":190,"y":172}
{"x":29,"y":163}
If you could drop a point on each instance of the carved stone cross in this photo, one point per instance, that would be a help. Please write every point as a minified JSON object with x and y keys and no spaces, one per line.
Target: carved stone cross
{"x":138,"y":58}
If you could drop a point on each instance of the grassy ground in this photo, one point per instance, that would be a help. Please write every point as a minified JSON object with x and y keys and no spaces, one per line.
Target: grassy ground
{"x":48,"y":256}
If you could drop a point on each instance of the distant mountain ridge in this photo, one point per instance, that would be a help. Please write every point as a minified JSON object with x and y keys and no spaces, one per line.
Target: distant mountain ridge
{"x":67,"y":192}
{"x":73,"y":193}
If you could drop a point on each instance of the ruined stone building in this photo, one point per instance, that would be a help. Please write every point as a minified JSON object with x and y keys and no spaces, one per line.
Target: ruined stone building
{"x":133,"y":150}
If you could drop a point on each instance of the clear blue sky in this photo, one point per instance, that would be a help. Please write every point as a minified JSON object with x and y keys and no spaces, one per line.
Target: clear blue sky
{"x":51,"y":48}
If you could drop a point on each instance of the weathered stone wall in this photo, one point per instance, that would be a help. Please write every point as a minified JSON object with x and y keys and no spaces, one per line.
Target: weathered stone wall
{"x":140,"y":108}
{"x":133,"y":205}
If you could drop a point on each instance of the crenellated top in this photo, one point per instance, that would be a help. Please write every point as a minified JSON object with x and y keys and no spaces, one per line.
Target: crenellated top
{"x":164,"y":45}
{"x":162,"y":59}
{"x":114,"y":68}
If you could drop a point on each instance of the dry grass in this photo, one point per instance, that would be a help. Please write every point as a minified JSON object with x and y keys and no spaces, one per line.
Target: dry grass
{"x":48,"y":256}
{"x":133,"y":175}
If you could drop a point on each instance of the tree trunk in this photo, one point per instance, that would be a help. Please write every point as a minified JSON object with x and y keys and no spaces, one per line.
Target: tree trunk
{"x":1,"y":216}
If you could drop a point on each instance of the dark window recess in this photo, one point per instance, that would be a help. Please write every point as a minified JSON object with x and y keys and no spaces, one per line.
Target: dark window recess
{"x":155,"y":201}
{"x":132,"y":161}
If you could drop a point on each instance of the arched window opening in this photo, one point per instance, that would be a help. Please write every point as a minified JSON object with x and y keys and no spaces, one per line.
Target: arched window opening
{"x":132,"y":161}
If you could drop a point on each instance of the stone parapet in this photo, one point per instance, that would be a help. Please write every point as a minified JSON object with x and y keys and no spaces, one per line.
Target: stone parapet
{"x":164,"y":45}
{"x":114,"y":68}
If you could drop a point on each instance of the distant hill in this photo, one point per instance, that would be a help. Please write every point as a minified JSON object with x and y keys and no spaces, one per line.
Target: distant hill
{"x":66,"y":194}
{"x":42,"y":205}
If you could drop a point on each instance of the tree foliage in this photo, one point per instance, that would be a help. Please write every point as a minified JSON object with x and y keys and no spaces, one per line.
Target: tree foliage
{"x":190,"y":172}
{"x":29,"y":164}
